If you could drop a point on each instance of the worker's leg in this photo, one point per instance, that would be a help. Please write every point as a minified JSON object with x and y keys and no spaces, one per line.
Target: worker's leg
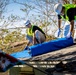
{"x":74,"y":32}
{"x":30,"y":38}
{"x":39,"y":36}
{"x":66,"y":29}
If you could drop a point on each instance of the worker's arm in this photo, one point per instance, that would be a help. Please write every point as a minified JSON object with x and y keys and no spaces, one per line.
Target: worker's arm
{"x":27,"y":45}
{"x":59,"y":23}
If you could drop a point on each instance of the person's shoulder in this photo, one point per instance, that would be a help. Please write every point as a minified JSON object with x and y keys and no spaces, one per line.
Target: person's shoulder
{"x":35,"y":26}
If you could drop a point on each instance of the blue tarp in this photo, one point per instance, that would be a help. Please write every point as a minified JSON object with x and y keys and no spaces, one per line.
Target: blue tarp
{"x":50,"y":46}
{"x":21,"y":54}
{"x":45,"y":47}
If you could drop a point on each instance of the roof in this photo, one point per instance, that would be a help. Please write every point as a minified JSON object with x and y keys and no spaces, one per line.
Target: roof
{"x":68,"y":53}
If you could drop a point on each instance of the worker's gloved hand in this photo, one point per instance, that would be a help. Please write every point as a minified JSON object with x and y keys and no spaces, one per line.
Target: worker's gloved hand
{"x":69,"y":35}
{"x":59,"y":31}
{"x":26,"y":48}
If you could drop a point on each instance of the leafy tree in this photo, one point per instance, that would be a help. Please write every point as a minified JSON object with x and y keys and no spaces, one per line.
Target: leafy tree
{"x":3,"y":4}
{"x":8,"y":36}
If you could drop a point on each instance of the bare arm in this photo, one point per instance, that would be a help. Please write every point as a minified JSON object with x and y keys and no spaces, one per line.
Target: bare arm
{"x":59,"y":23}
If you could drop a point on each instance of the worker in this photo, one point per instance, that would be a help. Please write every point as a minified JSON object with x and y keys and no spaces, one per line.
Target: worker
{"x":68,"y":13}
{"x":35,"y":35}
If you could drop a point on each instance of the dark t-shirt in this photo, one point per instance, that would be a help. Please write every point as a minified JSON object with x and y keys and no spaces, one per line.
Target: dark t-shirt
{"x":70,"y":13}
{"x":37,"y":28}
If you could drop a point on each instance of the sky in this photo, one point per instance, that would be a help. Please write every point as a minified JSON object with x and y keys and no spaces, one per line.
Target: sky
{"x":14,"y":9}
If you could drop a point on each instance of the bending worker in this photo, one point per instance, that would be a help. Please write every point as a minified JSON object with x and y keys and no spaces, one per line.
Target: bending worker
{"x":68,"y":13}
{"x":35,"y":35}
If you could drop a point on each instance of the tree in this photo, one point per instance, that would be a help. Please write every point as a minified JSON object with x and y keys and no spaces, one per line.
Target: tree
{"x":42,"y":12}
{"x":69,"y":1}
{"x":10,"y":35}
{"x":3,"y":4}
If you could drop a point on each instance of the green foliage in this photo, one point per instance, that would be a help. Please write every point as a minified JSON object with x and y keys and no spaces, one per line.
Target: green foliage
{"x":4,"y":30}
{"x":11,"y":37}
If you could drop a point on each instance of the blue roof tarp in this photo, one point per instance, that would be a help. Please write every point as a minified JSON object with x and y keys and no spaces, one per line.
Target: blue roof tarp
{"x":45,"y":47}
{"x":50,"y":46}
{"x":21,"y":54}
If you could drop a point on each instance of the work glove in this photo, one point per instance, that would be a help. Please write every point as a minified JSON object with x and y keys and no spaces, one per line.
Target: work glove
{"x":26,"y":48}
{"x":59,"y":31}
{"x":69,"y":35}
